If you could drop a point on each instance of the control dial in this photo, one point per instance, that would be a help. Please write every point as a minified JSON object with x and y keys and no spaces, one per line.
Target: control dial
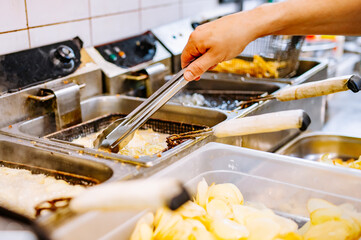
{"x":63,"y":57}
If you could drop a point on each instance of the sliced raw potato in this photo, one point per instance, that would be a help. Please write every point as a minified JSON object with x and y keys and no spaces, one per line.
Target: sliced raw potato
{"x":286,"y":225}
{"x":218,"y":209}
{"x":175,"y":228}
{"x":262,"y":228}
{"x":200,"y":234}
{"x":331,"y":230}
{"x":289,"y":236}
{"x":191,"y":210}
{"x":322,"y":215}
{"x":241,"y":213}
{"x":316,"y":203}
{"x":202,"y":189}
{"x":196,"y":224}
{"x":218,"y":213}
{"x":227,"y":229}
{"x":226,"y":192}
{"x":160,"y":215}
{"x":144,"y":228}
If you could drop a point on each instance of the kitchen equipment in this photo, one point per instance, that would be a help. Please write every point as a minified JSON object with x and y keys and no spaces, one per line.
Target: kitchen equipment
{"x":314,"y":89}
{"x":34,"y":156}
{"x":278,"y":48}
{"x":223,"y":94}
{"x":95,"y":125}
{"x":121,"y":131}
{"x":136,"y":65}
{"x":249,"y":125}
{"x":125,"y":195}
{"x":282,"y":183}
{"x":313,"y":146}
{"x":34,"y":66}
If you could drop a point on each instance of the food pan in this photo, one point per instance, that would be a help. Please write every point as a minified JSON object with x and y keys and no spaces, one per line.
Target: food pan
{"x":282,"y":183}
{"x":307,"y":68}
{"x":26,"y":155}
{"x":97,"y":124}
{"x":104,"y":105}
{"x":313,"y":146}
{"x":225,"y":94}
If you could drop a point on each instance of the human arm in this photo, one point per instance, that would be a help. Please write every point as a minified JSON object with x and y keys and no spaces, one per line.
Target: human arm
{"x":226,"y":37}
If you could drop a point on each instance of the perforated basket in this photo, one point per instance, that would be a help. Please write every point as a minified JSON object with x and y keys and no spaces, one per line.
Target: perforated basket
{"x":279,"y":48}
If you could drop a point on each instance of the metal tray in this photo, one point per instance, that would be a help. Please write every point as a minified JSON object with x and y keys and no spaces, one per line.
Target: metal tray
{"x":29,"y":155}
{"x":282,"y":183}
{"x":313,"y":146}
{"x":104,"y":105}
{"x":224,"y":94}
{"x":307,"y":68}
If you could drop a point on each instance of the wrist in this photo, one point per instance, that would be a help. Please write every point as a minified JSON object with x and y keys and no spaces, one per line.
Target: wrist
{"x":268,"y":19}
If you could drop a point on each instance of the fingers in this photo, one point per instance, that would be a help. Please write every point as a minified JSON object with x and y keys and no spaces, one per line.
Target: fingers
{"x":191,"y":51}
{"x":199,"y":66}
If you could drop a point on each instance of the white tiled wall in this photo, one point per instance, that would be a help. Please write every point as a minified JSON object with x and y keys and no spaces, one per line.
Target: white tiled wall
{"x":31,"y":23}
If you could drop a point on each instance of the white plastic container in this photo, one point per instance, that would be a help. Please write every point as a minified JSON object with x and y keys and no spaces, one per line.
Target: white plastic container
{"x":282,"y":183}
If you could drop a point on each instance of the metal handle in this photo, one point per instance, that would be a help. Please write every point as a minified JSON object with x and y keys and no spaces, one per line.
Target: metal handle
{"x":270,"y":122}
{"x":50,"y":96}
{"x":145,"y":110}
{"x":319,"y":88}
{"x":139,"y":77}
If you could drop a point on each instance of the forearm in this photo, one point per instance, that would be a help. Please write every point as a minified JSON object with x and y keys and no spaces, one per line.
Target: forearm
{"x":302,"y":17}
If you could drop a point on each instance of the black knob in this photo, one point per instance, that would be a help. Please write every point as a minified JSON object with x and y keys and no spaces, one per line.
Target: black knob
{"x":145,"y":46}
{"x":64,"y":54}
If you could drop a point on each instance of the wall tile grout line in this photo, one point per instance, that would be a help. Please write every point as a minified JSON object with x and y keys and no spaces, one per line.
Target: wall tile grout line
{"x":158,"y":6}
{"x":12,"y":31}
{"x":27,"y":22}
{"x":90,"y":24}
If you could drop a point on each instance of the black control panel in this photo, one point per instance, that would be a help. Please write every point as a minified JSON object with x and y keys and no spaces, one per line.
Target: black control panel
{"x":30,"y":67}
{"x":129,"y":52}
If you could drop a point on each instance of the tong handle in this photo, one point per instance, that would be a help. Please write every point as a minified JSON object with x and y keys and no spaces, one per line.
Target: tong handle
{"x":319,"y":88}
{"x":269,"y":122}
{"x":152,"y":99}
{"x":131,"y":195}
{"x":144,"y":111}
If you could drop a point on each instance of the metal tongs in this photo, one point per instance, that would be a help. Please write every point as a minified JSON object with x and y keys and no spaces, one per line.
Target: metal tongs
{"x":119,"y":133}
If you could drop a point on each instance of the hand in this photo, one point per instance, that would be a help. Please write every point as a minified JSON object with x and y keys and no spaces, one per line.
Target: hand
{"x":214,"y":42}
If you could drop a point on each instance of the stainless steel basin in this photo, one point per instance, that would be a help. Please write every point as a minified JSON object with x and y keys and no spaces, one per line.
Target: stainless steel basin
{"x":28,"y":155}
{"x":224,"y":94}
{"x":103,"y":105}
{"x":308,"y":67}
{"x":313,"y":146}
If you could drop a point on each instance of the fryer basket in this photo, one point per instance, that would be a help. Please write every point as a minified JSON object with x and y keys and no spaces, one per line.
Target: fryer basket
{"x":97,"y":124}
{"x":278,"y":48}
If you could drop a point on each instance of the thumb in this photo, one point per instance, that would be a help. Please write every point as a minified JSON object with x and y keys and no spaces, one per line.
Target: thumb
{"x":199,"y":66}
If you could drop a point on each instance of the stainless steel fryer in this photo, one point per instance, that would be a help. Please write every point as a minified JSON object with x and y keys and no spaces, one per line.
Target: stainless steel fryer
{"x":224,"y":94}
{"x":307,"y":67}
{"x":95,"y":125}
{"x":104,"y":105}
{"x":313,"y":146}
{"x":26,"y":155}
